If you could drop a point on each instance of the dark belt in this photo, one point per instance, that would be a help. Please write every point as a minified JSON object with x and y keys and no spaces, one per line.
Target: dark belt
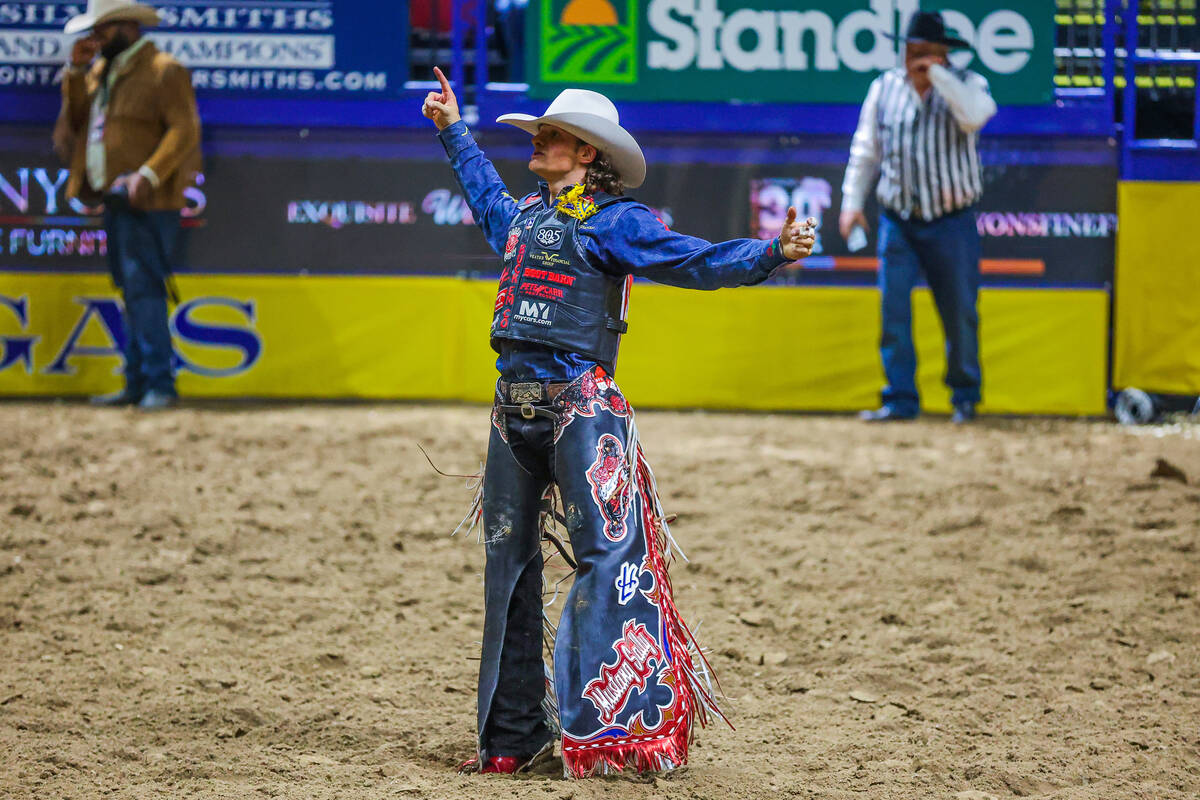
{"x":530,"y":399}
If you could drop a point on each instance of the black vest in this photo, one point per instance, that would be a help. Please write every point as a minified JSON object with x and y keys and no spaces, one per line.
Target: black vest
{"x":549,"y":293}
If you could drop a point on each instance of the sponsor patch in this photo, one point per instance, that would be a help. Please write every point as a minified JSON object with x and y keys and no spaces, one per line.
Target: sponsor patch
{"x":549,"y":236}
{"x":628,"y":582}
{"x":537,"y":290}
{"x":535,"y":312}
{"x":636,"y":652}
{"x":550,"y":277}
{"x":510,"y":247}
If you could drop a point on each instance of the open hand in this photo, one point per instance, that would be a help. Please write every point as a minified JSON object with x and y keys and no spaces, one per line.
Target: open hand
{"x":441,"y":107}
{"x":797,"y":239}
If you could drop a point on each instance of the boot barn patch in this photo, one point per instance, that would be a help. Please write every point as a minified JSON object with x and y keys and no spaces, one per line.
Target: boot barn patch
{"x":636,"y":652}
{"x":609,"y":479}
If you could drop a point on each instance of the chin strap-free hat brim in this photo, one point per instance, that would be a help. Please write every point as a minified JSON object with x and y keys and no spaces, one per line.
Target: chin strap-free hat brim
{"x":928,"y":26}
{"x":592,"y":118}
{"x":99,"y":11}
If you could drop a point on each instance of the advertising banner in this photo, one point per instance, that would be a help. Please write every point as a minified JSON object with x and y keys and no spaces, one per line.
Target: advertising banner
{"x":1042,"y":224}
{"x":426,"y":338}
{"x":262,"y":48}
{"x":1156,"y":341}
{"x":813,"y":51}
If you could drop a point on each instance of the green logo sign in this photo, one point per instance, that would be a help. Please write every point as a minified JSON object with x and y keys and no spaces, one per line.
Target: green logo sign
{"x":789,"y":51}
{"x":588,"y":41}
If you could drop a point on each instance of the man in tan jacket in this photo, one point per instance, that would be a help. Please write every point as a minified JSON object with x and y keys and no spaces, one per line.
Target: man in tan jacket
{"x":131,"y":133}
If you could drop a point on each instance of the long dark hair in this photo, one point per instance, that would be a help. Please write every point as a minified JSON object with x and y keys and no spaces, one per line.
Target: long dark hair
{"x":602,"y":176}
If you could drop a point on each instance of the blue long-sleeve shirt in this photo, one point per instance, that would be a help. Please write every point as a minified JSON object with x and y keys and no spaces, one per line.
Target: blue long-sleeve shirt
{"x":627,"y":239}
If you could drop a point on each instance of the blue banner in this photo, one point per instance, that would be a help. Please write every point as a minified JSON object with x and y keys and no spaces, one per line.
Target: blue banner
{"x":286,"y":49}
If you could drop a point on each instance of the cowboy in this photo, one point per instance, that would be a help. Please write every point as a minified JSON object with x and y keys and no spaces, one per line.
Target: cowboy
{"x":919,"y":130}
{"x":627,"y":675}
{"x":130,"y":132}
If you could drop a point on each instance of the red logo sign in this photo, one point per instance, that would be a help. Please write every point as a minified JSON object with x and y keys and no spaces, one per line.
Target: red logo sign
{"x":636,"y":649}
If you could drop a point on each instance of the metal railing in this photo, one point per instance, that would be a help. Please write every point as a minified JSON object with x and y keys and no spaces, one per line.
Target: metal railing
{"x":1149,"y":67}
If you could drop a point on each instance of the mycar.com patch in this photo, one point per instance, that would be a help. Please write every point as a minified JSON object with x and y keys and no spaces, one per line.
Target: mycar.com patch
{"x":535,"y":312}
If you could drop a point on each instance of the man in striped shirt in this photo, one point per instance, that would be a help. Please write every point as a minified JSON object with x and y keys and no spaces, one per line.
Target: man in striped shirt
{"x":918,"y":132}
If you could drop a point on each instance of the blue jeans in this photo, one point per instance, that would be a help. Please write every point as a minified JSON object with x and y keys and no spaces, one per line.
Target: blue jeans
{"x":139,"y":246}
{"x":946,"y":252}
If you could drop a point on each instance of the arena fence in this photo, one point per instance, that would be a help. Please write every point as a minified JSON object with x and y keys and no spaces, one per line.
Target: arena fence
{"x":312,"y":198}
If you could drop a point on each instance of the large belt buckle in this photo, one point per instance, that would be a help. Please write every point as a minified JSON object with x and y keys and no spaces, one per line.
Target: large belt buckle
{"x":524,"y":393}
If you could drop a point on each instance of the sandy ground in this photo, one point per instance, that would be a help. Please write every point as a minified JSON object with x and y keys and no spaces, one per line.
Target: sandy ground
{"x":263,"y":601}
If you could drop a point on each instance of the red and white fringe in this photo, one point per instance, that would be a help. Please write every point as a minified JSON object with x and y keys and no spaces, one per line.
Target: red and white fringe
{"x":640,"y":754}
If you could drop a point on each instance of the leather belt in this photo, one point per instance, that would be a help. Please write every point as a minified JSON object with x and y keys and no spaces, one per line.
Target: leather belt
{"x":530,"y":399}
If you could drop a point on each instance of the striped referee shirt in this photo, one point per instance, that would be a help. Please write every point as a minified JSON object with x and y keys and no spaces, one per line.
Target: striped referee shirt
{"x":923,"y":149}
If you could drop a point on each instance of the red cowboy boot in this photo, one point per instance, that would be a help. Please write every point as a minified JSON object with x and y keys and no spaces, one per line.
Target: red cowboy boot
{"x":504,"y":765}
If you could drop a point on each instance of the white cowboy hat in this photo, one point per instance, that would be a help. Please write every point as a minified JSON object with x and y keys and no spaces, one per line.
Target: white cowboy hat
{"x":111,"y":11}
{"x":592,"y":117}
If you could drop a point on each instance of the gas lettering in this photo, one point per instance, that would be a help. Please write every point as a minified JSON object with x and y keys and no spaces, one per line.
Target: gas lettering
{"x":243,"y":341}
{"x":210,"y":348}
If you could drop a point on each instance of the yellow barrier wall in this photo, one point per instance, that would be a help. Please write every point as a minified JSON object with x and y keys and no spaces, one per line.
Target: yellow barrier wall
{"x":1157,"y":338}
{"x":794,"y":348}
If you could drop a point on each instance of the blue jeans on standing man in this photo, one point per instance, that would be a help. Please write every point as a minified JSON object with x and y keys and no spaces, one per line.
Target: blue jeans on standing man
{"x":946,"y":252}
{"x":140,"y":244}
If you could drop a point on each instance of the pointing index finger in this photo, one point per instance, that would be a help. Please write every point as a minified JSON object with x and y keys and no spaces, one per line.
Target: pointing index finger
{"x":442,"y":80}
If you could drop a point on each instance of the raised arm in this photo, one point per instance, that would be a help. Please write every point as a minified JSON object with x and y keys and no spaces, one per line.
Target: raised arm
{"x":72,"y":115}
{"x":491,"y":204}
{"x":633,"y":241}
{"x":968,"y":98}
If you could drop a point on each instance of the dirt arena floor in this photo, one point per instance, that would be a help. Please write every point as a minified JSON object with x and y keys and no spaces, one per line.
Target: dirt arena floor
{"x":245,"y":602}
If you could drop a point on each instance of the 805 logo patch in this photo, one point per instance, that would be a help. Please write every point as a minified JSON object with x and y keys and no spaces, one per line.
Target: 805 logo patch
{"x":549,"y":236}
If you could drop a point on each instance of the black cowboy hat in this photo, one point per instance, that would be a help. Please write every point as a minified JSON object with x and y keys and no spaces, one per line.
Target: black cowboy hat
{"x":928,"y":26}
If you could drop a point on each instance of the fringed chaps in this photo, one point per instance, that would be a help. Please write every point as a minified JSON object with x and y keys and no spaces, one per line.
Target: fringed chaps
{"x":626,"y":680}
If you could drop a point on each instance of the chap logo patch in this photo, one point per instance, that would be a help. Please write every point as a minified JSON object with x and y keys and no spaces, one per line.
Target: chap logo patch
{"x":628,"y":582}
{"x":535,"y":313}
{"x":636,"y":653}
{"x":587,"y":396}
{"x":611,"y":488}
{"x":549,"y":236}
{"x":510,"y":246}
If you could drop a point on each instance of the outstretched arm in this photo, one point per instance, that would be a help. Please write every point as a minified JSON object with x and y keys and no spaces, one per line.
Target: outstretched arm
{"x":491,"y":204}
{"x":634,"y":241}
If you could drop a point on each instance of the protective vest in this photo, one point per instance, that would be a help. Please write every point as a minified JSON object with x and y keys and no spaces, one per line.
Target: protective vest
{"x":549,"y":293}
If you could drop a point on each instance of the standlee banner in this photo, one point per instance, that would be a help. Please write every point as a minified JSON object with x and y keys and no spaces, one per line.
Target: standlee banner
{"x":264,"y":48}
{"x":1042,"y":225}
{"x":788,"y":51}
